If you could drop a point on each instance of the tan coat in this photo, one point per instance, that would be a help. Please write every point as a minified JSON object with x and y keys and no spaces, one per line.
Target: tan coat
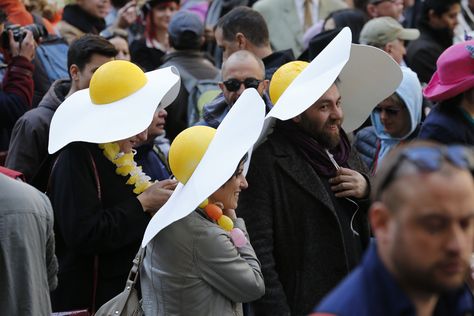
{"x":68,"y":31}
{"x":286,"y":29}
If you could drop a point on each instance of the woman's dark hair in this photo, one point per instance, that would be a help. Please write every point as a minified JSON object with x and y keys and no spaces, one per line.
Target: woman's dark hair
{"x":438,"y":6}
{"x":243,"y":160}
{"x":353,"y":18}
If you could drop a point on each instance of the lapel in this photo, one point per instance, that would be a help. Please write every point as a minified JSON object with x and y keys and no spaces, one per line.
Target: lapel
{"x":301,"y":172}
{"x":292,"y":22}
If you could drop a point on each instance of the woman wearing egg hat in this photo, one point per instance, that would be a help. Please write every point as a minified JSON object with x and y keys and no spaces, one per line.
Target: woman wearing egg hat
{"x":102,"y":200}
{"x":199,"y":260}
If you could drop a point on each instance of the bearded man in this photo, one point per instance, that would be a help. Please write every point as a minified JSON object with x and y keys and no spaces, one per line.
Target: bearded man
{"x":305,"y":208}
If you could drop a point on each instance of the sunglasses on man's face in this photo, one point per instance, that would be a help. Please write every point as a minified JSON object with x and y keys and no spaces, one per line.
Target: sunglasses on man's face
{"x":430,"y":159}
{"x":388,"y":111}
{"x":233,"y":85}
{"x":382,"y":1}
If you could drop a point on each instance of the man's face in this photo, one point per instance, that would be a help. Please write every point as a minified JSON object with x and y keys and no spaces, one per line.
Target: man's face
{"x":96,"y":8}
{"x":448,"y":20}
{"x":324,"y":118}
{"x":430,"y":237}
{"x":394,"y":117}
{"x":396,"y":49}
{"x":240,"y":70}
{"x":392,"y":8}
{"x":228,"y":47}
{"x":83,"y":77}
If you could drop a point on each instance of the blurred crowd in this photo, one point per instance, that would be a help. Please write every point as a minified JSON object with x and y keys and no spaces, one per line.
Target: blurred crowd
{"x":355,"y":196}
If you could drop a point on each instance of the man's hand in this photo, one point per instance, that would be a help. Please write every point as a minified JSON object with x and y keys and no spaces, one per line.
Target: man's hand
{"x":127,"y":15}
{"x":153,"y":198}
{"x":349,"y":183}
{"x":25,"y":48}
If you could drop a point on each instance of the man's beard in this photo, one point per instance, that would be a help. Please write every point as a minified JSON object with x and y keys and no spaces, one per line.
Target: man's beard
{"x":327,"y":139}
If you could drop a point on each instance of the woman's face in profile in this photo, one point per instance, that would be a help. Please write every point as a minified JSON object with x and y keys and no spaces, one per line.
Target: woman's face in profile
{"x":126,"y":145}
{"x":228,"y":194}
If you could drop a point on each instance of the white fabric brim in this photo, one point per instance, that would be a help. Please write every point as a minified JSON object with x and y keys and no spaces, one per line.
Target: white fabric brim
{"x":78,"y":119}
{"x":235,"y":136}
{"x":367,"y":76}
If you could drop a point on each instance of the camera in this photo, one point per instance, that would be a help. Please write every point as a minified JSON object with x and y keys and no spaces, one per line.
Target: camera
{"x":19,"y":33}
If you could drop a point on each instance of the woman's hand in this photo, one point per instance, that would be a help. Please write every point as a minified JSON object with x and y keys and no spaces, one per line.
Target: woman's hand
{"x":153,"y":198}
{"x":227,"y":212}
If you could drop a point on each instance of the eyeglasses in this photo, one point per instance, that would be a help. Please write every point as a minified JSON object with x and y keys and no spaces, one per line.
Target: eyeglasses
{"x":233,"y":85}
{"x":388,"y":111}
{"x":430,"y":159}
{"x":381,"y":1}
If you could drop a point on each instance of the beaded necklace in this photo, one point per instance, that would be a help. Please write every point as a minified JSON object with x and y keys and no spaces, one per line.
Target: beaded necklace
{"x":127,"y":166}
{"x":215,"y":213}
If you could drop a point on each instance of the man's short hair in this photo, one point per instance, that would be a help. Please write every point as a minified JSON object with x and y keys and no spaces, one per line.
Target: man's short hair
{"x":438,"y":6}
{"x":243,"y":55}
{"x":246,"y":21}
{"x":81,"y":50}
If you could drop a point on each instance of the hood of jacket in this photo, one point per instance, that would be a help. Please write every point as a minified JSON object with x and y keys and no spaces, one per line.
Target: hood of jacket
{"x":411,"y":94}
{"x":56,"y":94}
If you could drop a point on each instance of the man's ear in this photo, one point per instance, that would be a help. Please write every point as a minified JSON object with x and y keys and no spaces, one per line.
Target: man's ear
{"x":379,"y":217}
{"x":388,"y":48}
{"x":372,"y":11}
{"x":221,"y":86}
{"x":241,"y":40}
{"x":73,"y":71}
{"x":297,"y":119}
{"x":265,"y":84}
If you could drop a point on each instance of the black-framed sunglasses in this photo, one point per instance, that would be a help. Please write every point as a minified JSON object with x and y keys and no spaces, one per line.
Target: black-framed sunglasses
{"x":382,"y":1}
{"x":233,"y":85}
{"x":388,"y":111}
{"x":430,"y":159}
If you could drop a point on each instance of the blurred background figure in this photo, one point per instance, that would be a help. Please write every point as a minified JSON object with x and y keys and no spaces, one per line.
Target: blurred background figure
{"x":84,"y":16}
{"x":119,"y":38}
{"x":395,"y":121}
{"x":148,"y":51}
{"x":452,"y":120}
{"x":437,"y":23}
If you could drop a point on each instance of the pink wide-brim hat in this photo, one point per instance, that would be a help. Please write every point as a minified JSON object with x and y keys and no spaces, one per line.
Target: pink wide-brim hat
{"x":454,"y":73}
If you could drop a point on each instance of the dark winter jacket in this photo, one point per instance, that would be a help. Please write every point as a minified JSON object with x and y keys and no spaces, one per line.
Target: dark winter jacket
{"x":423,"y":52}
{"x":195,"y":64}
{"x":16,"y":97}
{"x":448,"y":125}
{"x":215,"y":111}
{"x":29,"y":141}
{"x":110,"y":226}
{"x":296,"y":229}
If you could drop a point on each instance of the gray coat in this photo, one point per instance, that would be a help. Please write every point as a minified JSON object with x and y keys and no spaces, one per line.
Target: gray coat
{"x":295,"y":228}
{"x":193,"y":268}
{"x":28,"y":266}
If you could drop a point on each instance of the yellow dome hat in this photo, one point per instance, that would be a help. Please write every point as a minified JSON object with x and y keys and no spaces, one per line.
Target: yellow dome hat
{"x":119,"y":104}
{"x":203,"y":159}
{"x":283,"y":77}
{"x":187,"y":150}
